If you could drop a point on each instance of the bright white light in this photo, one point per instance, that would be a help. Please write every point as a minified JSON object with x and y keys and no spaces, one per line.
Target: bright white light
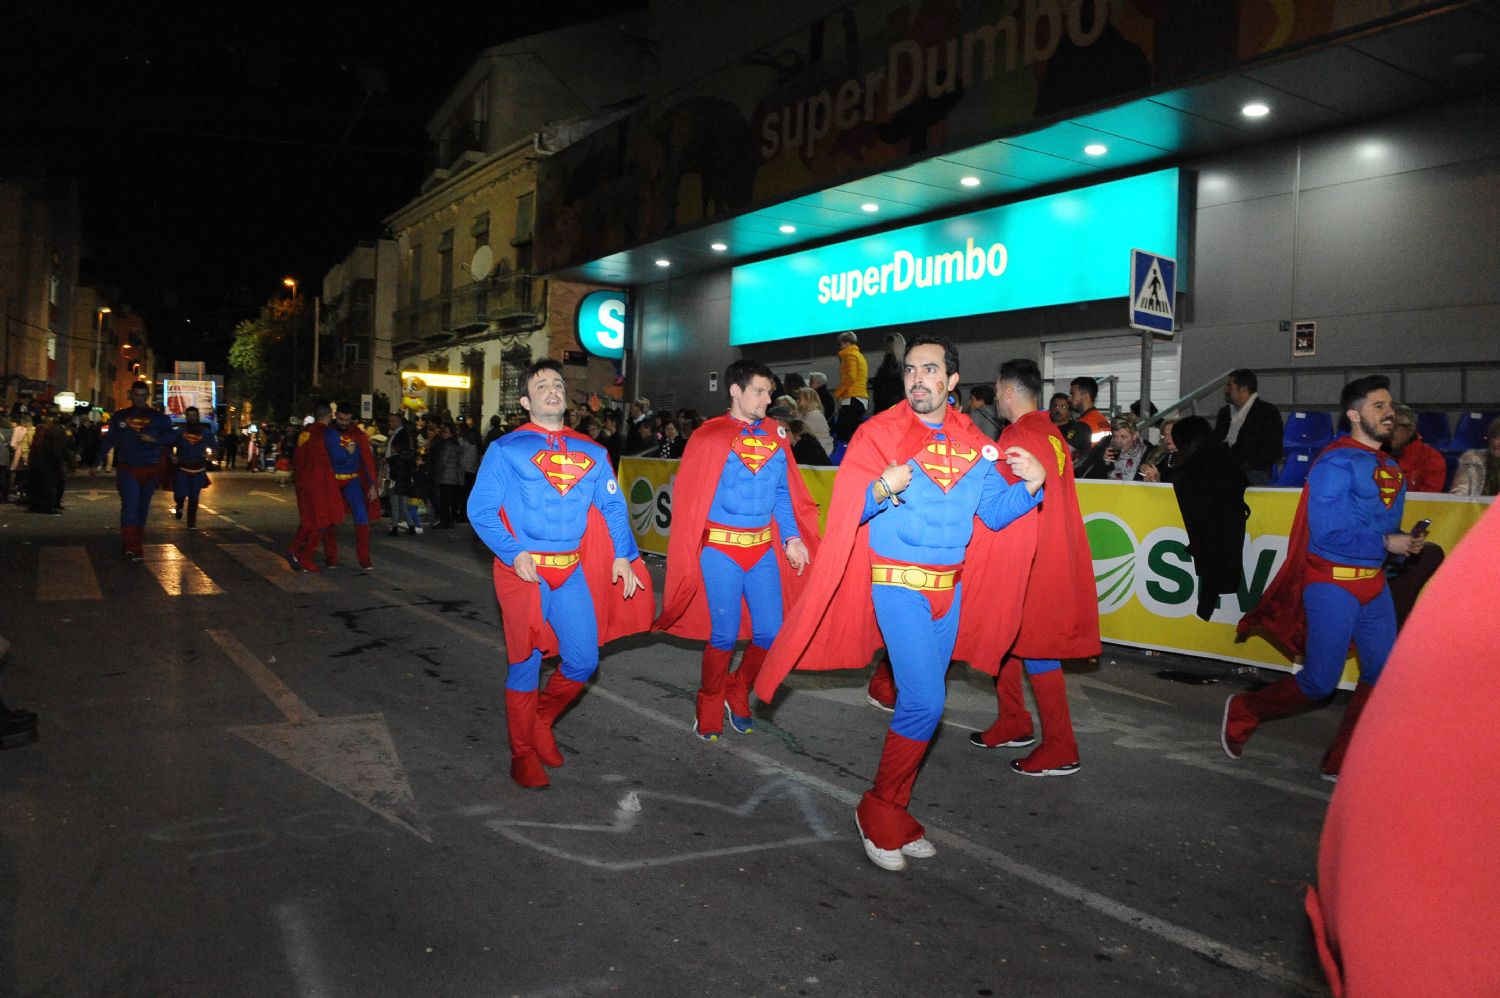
{"x":1255,"y":110}
{"x":718,"y":247}
{"x":788,"y":229}
{"x":970,"y":181}
{"x":664,"y":263}
{"x":1096,"y":149}
{"x":869,"y":206}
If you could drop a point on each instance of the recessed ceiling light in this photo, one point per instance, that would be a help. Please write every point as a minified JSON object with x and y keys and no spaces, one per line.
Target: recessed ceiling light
{"x":788,"y":229}
{"x":869,"y":206}
{"x":1096,"y":149}
{"x":970,"y":181}
{"x":664,"y":263}
{"x":1255,"y":109}
{"x":718,"y":247}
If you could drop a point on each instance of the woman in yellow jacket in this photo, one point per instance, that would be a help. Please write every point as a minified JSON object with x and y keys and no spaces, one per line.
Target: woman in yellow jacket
{"x":852,"y":394}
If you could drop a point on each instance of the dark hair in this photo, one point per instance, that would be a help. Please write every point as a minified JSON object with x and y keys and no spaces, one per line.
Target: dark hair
{"x":1056,"y":396}
{"x":523,"y":380}
{"x":796,"y":427}
{"x":744,"y":370}
{"x":984,"y":393}
{"x":1190,"y":434}
{"x":495,"y":420}
{"x":1245,"y":378}
{"x":1024,"y":373}
{"x":1355,"y":391}
{"x":321,"y":409}
{"x":1135,"y":407}
{"x":1088,"y":384}
{"x":950,"y":352}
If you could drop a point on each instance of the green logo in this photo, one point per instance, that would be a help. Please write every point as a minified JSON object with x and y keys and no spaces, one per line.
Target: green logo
{"x":642,"y":501}
{"x":1112,"y":547}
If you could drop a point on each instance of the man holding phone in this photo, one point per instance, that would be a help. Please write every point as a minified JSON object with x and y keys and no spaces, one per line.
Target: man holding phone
{"x":1332,"y":587}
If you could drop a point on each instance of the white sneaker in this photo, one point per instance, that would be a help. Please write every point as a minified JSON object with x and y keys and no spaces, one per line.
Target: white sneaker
{"x":886,"y":859}
{"x":920,"y":849}
{"x":416,"y":530}
{"x":888,"y":708}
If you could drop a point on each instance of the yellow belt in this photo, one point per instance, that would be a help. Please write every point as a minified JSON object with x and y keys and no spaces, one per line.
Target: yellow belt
{"x":739,"y":538}
{"x":1348,"y":573}
{"x":544,"y":560}
{"x":923,"y":580}
{"x":347,"y":478}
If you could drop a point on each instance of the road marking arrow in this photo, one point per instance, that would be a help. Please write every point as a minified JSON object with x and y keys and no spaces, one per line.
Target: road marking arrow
{"x":271,"y":496}
{"x":353,"y":755}
{"x":90,"y":495}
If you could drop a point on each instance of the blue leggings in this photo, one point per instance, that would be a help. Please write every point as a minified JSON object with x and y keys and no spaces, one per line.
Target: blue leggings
{"x":186,"y":485}
{"x":919,"y":649}
{"x":354,"y":497}
{"x":135,"y":499}
{"x":569,"y":610}
{"x":725,"y":582}
{"x":1334,"y":616}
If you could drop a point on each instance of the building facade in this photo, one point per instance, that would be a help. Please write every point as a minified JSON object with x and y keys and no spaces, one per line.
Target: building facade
{"x":358,"y":321}
{"x":39,"y":251}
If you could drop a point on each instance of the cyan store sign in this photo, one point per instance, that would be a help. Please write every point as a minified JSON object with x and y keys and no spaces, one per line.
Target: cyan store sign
{"x":601,"y":322}
{"x":1068,"y":247}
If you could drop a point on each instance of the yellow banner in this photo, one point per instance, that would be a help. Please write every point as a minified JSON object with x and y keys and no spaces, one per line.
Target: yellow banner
{"x":1143,"y":574}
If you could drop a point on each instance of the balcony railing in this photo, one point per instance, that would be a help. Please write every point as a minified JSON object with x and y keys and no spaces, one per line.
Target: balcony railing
{"x":502,"y":303}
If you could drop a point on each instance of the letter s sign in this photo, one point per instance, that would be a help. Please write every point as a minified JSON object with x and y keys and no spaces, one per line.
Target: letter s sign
{"x":601,"y":323}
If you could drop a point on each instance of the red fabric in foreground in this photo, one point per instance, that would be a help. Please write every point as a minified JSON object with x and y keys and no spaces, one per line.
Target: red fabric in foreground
{"x":1408,"y":869}
{"x":319,"y":502}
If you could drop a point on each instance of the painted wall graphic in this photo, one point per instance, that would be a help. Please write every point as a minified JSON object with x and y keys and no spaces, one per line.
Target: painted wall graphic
{"x":1143,"y":574}
{"x":885,"y":82}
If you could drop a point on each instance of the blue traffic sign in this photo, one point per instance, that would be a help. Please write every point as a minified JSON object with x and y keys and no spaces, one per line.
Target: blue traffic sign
{"x":1153,"y":292}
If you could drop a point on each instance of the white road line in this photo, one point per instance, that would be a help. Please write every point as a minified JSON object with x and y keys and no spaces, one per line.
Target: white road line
{"x":65,"y":573}
{"x":274,"y":569}
{"x":289,"y":703}
{"x":388,"y":566}
{"x":1243,"y":772}
{"x":1097,"y":684}
{"x":301,"y":956}
{"x":1179,"y":935}
{"x":463,"y":565}
{"x":178,"y":576}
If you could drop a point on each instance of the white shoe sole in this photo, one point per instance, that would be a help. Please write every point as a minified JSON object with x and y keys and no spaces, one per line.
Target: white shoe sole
{"x":1015,"y":767}
{"x":702,"y":737}
{"x":729,"y":722}
{"x":920,"y":849}
{"x":878,"y":705}
{"x":886,"y":859}
{"x":977,"y":740}
{"x":1224,"y":731}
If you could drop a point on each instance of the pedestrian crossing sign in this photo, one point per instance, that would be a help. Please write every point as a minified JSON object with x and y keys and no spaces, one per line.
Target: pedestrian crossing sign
{"x":1153,"y":292}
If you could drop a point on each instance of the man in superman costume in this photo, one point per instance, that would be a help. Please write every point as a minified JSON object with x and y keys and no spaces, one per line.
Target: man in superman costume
{"x":140,"y":437}
{"x":320,"y":504}
{"x":743,"y":529}
{"x":190,"y":454}
{"x":901,"y":546}
{"x":352,"y":461}
{"x":1331,"y":588}
{"x":547,"y":504}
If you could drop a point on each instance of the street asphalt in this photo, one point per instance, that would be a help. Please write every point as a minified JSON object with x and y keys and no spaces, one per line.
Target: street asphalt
{"x":251,"y":782}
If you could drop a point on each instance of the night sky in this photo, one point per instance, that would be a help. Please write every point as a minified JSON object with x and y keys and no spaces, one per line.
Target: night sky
{"x":219,"y":147}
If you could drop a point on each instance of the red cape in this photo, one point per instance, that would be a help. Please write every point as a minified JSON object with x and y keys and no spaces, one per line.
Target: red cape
{"x":1279,"y":616}
{"x":1408,"y":872}
{"x":685,"y":607}
{"x":521,"y":602}
{"x":1061,"y":614}
{"x":319,"y":502}
{"x":833,"y":625}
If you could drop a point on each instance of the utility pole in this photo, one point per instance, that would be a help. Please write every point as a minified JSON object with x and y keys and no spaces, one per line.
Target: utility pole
{"x":317,"y":335}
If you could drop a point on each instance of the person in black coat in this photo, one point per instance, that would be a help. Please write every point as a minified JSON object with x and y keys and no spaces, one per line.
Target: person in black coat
{"x":1251,"y":427}
{"x":1210,"y":487}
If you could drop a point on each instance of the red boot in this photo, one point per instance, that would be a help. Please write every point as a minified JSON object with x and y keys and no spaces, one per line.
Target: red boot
{"x":361,"y":545}
{"x":882,"y":815}
{"x":1012,"y":727}
{"x":882,"y":689}
{"x":715,"y":677}
{"x":520,"y":726}
{"x":131,"y":538}
{"x":330,"y":548}
{"x":1243,"y":712}
{"x":742,"y":680}
{"x":1058,"y":753}
{"x":299,"y":553}
{"x":553,"y":700}
{"x":1333,"y":759}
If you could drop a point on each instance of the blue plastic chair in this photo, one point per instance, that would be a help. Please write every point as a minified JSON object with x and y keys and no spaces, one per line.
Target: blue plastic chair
{"x":1434,"y":429}
{"x":1468,"y":434}
{"x":1307,"y":430}
{"x":1294,"y":470}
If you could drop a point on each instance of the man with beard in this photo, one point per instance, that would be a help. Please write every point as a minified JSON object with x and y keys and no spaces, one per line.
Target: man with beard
{"x":353,"y":462}
{"x":139,"y":436}
{"x":1332,"y":587}
{"x":902,"y":545}
{"x":567,"y":573}
{"x":743,"y":526}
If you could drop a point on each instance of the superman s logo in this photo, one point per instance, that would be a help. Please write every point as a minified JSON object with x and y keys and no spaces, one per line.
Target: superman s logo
{"x":561,"y":469}
{"x":948,"y":462}
{"x":1388,"y":481}
{"x":754,"y":452}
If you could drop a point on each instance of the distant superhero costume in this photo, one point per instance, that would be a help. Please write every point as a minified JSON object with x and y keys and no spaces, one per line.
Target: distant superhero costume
{"x":195,"y":441}
{"x":1408,"y":872}
{"x":320,"y":505}
{"x":894,"y":575}
{"x":1060,"y":616}
{"x":737,"y":499}
{"x":1330,"y":589}
{"x":140,"y":436}
{"x":352,"y":461}
{"x":552,"y":494}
